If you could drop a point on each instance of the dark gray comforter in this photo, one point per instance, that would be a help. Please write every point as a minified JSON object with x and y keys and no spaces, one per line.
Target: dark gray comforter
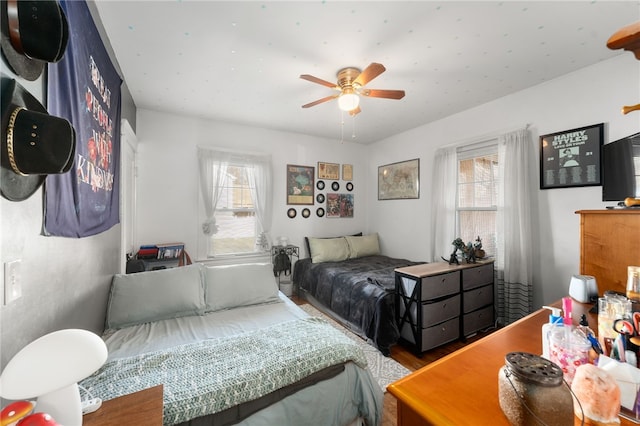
{"x":359,"y":292}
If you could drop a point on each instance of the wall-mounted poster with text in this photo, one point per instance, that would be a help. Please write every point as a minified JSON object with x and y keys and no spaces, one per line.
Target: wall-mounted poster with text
{"x":571,"y":157}
{"x":84,"y":88}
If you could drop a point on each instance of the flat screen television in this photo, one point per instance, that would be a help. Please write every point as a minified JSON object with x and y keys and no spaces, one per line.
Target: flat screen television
{"x":621,"y":169}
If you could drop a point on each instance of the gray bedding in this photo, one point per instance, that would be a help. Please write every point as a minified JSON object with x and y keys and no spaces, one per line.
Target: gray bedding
{"x":214,"y":345}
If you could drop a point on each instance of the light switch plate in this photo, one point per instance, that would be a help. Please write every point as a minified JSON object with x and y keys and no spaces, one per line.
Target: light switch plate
{"x":12,"y":281}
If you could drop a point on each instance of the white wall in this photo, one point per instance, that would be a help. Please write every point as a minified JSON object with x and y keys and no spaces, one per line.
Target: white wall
{"x":65,"y":281}
{"x":168,"y":176}
{"x":589,"y":96}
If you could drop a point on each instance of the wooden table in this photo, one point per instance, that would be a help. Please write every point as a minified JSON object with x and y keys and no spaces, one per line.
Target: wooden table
{"x":462,"y":388}
{"x":138,"y":408}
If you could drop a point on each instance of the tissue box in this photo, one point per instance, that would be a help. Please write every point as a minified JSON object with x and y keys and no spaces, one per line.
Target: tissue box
{"x":628,"y":378}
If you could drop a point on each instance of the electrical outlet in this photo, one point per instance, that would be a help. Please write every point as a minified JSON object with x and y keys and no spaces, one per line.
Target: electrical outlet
{"x":12,"y":282}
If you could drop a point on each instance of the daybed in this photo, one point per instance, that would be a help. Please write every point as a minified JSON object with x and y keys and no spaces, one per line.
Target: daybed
{"x":348,"y":279}
{"x":228,"y":348}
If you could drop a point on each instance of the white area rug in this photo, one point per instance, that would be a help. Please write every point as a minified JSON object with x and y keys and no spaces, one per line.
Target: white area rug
{"x":385,"y":370}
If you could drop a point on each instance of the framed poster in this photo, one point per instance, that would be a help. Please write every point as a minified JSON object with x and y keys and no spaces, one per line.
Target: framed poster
{"x":571,"y":158}
{"x":339,"y":205}
{"x":300,"y":185}
{"x":329,"y":171}
{"x":399,"y":180}
{"x":347,"y":172}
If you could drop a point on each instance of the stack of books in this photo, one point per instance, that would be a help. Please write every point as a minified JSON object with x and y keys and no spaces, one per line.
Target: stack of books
{"x":161,"y":251}
{"x":170,"y":250}
{"x":148,"y":252}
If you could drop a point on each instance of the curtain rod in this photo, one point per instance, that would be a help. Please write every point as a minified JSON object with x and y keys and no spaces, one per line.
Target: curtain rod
{"x":478,"y":140}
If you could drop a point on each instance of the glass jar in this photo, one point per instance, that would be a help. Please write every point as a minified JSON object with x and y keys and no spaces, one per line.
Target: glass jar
{"x":610,"y":308}
{"x":633,"y":283}
{"x":568,"y":349}
{"x":531,"y":390}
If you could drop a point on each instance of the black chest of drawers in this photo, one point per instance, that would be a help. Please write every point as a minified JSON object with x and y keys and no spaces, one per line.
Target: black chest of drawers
{"x":437,"y":303}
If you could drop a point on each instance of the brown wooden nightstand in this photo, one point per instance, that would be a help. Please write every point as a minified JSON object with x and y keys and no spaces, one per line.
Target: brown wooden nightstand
{"x":138,"y":408}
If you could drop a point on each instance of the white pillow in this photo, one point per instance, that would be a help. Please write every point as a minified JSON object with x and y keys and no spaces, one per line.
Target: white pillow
{"x":363,"y":246}
{"x":230,"y":286}
{"x":328,"y":249}
{"x":155,"y":295}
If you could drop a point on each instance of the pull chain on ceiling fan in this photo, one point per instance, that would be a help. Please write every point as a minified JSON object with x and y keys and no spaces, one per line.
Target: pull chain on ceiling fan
{"x":351,"y":82}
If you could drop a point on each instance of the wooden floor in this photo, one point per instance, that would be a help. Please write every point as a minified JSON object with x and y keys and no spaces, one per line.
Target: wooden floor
{"x":407,"y":358}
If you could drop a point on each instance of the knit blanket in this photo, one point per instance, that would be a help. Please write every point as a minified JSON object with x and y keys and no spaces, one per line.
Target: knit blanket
{"x":210,"y":376}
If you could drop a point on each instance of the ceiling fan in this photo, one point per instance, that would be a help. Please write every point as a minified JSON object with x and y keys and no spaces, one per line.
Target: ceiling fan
{"x":351,"y":82}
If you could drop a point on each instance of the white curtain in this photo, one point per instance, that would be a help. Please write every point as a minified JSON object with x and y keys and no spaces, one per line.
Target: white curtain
{"x":260,"y":175}
{"x":443,"y":207}
{"x":212,"y":166}
{"x":213,"y":172}
{"x":514,"y":247}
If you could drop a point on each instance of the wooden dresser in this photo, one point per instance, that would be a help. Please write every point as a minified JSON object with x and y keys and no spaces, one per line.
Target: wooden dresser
{"x":609,"y":243}
{"x":462,"y":388}
{"x":437,"y":303}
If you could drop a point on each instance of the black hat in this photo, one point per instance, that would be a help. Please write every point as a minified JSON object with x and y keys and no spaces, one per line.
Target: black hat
{"x":33,"y":33}
{"x":33,"y":143}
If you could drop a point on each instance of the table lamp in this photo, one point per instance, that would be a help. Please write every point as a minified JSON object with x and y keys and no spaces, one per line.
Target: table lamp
{"x":49,"y":369}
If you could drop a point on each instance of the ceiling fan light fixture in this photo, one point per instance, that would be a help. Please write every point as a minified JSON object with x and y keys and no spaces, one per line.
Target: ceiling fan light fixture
{"x":348,"y":100}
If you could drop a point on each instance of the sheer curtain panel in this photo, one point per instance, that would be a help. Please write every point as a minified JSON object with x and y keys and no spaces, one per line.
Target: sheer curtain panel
{"x":212,"y":167}
{"x":443,"y":208}
{"x":260,"y":174}
{"x":514,"y":238}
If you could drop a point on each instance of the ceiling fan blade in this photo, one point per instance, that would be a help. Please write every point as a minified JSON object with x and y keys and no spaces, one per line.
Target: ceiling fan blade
{"x":355,"y":111}
{"x":319,"y":81}
{"x":369,"y":73}
{"x":319,"y":101}
{"x":388,"y":94}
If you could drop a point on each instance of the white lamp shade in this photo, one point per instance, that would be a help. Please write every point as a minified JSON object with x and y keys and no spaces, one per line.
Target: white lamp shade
{"x":348,"y":101}
{"x":52,"y":362}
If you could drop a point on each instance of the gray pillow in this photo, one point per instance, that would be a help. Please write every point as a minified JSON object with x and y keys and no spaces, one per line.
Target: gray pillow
{"x":231,"y":286}
{"x":155,"y":295}
{"x":367,"y":245}
{"x":328,"y":249}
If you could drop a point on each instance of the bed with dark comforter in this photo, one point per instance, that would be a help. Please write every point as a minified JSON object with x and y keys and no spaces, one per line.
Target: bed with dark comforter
{"x":358,"y":292}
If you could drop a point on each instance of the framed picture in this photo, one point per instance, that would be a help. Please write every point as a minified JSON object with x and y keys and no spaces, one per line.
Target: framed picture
{"x":329,"y":171}
{"x":571,"y":158}
{"x":339,"y":205}
{"x":347,"y":172}
{"x":398,"y":181}
{"x":300,"y":185}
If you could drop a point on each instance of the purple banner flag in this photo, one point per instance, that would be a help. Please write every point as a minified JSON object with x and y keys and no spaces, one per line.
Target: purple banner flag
{"x":84,"y":88}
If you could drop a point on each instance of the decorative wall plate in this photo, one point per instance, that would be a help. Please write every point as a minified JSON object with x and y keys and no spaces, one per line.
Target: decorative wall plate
{"x":306,"y":213}
{"x":320,"y":198}
{"x":335,"y":186}
{"x":320,"y":185}
{"x":320,"y":212}
{"x":292,"y":213}
{"x":349,"y":186}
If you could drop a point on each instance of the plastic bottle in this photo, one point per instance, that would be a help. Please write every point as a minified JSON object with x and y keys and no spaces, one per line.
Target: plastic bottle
{"x":555,"y":320}
{"x":567,"y":309}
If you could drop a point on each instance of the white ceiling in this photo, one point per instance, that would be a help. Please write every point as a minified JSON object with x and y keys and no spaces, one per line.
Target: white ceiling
{"x":240,"y":61}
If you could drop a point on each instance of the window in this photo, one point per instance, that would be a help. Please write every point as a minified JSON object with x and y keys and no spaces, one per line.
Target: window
{"x":235,"y":191}
{"x":235,"y":215}
{"x":476,"y":203}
